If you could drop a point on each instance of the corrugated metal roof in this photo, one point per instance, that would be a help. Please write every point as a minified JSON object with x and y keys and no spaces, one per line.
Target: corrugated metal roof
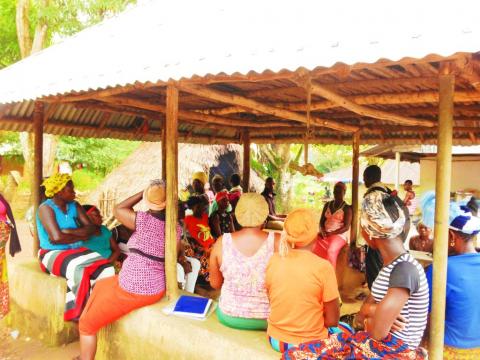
{"x":160,"y":40}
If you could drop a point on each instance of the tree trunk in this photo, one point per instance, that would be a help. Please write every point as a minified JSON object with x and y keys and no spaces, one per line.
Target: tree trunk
{"x":284,"y":177}
{"x":26,"y":49}
{"x":23,"y":27}
{"x":26,"y":140}
{"x":50,"y":144}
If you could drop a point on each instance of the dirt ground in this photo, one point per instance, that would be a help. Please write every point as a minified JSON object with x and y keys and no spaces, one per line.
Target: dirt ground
{"x":24,"y":348}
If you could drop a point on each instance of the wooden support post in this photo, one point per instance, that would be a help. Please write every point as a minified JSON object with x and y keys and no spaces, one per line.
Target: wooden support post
{"x":164,"y":153}
{"x":38,"y":118}
{"x":397,"y":170}
{"x":442,"y":189}
{"x":355,"y":175}
{"x":246,"y":161}
{"x":171,"y":128}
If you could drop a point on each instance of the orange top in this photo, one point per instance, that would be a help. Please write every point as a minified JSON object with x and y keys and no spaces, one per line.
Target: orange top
{"x":297,"y":286}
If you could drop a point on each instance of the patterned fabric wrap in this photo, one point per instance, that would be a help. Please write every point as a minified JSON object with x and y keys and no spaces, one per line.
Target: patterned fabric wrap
{"x":450,"y":353}
{"x":359,"y":346}
{"x":4,"y":295}
{"x":376,"y":218}
{"x":195,"y":250}
{"x":82,"y":268}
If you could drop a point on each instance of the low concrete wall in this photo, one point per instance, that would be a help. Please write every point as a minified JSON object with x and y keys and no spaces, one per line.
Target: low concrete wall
{"x":148,"y":333}
{"x":37,"y":303}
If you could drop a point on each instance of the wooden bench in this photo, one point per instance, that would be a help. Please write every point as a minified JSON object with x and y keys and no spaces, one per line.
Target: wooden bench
{"x":37,"y":303}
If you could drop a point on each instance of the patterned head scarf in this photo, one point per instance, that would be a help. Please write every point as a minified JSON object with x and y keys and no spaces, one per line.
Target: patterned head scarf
{"x":55,"y":183}
{"x":382,"y":217}
{"x":200,"y":176}
{"x":460,"y":217}
{"x":300,"y":229}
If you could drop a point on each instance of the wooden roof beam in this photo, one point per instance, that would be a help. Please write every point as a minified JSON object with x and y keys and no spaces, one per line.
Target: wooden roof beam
{"x":247,"y":103}
{"x":192,"y":115}
{"x":414,"y":97}
{"x":55,"y":127}
{"x":468,"y":68}
{"x":344,"y":102}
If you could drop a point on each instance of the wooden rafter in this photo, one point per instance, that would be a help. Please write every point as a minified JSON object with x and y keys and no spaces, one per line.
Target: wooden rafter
{"x":344,"y":102}
{"x":238,"y":100}
{"x":417,"y":97}
{"x":191,"y":115}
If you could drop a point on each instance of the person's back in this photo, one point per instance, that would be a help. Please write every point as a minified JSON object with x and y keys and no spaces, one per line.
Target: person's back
{"x":298,"y":285}
{"x":143,"y":272}
{"x":462,"y":314}
{"x":244,"y":263}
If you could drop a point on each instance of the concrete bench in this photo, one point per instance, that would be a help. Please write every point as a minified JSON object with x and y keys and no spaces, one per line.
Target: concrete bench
{"x":37,"y":305}
{"x":148,"y":333}
{"x":37,"y":302}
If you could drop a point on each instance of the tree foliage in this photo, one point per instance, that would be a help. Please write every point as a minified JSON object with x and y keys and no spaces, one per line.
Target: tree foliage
{"x":99,"y":155}
{"x":63,"y":18}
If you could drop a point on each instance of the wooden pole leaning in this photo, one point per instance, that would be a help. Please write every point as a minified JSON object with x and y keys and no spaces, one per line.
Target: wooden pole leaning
{"x":442,"y":189}
{"x":246,"y":160}
{"x":355,"y":176}
{"x":171,"y":218}
{"x":38,"y":119}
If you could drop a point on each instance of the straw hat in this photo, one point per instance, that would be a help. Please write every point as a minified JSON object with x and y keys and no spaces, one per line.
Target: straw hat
{"x":301,"y":227}
{"x":154,"y":196}
{"x":251,"y":210}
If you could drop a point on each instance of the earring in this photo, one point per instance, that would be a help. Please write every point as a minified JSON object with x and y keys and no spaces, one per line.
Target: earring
{"x":452,"y":243}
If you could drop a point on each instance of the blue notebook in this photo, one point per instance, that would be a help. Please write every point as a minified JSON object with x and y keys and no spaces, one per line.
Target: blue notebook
{"x":193,"y":306}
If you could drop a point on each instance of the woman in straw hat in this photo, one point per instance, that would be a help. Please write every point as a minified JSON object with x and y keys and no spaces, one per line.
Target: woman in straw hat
{"x":238,"y":263}
{"x":302,"y":287}
{"x":394,"y":316}
{"x":63,"y":227}
{"x":141,"y":280}
{"x":462,"y":313}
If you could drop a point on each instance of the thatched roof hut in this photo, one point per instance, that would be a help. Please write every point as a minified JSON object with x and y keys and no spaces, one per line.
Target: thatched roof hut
{"x":145,"y":164}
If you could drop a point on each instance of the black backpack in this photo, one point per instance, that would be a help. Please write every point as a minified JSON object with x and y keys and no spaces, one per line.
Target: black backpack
{"x":392,"y":210}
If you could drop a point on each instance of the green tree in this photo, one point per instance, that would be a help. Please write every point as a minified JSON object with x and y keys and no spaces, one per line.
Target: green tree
{"x":28,"y":26}
{"x":99,"y":155}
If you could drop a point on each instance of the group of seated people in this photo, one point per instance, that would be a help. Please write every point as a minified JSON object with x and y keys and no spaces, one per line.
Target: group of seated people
{"x":282,"y":282}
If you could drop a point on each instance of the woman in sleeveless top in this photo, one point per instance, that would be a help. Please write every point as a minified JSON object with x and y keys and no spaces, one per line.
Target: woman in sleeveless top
{"x":62,"y":228}
{"x":238,"y":264}
{"x":334,"y":226}
{"x":8,"y":231}
{"x":141,"y":280}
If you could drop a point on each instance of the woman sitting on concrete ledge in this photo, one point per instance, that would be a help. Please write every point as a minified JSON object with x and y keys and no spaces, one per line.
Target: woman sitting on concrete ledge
{"x":141,"y":280}
{"x":238,"y":263}
{"x":301,"y":286}
{"x":63,"y":227}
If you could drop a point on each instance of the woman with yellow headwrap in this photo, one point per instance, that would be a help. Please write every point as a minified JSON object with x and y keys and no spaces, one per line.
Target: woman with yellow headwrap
{"x":62,"y":227}
{"x":302,"y":287}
